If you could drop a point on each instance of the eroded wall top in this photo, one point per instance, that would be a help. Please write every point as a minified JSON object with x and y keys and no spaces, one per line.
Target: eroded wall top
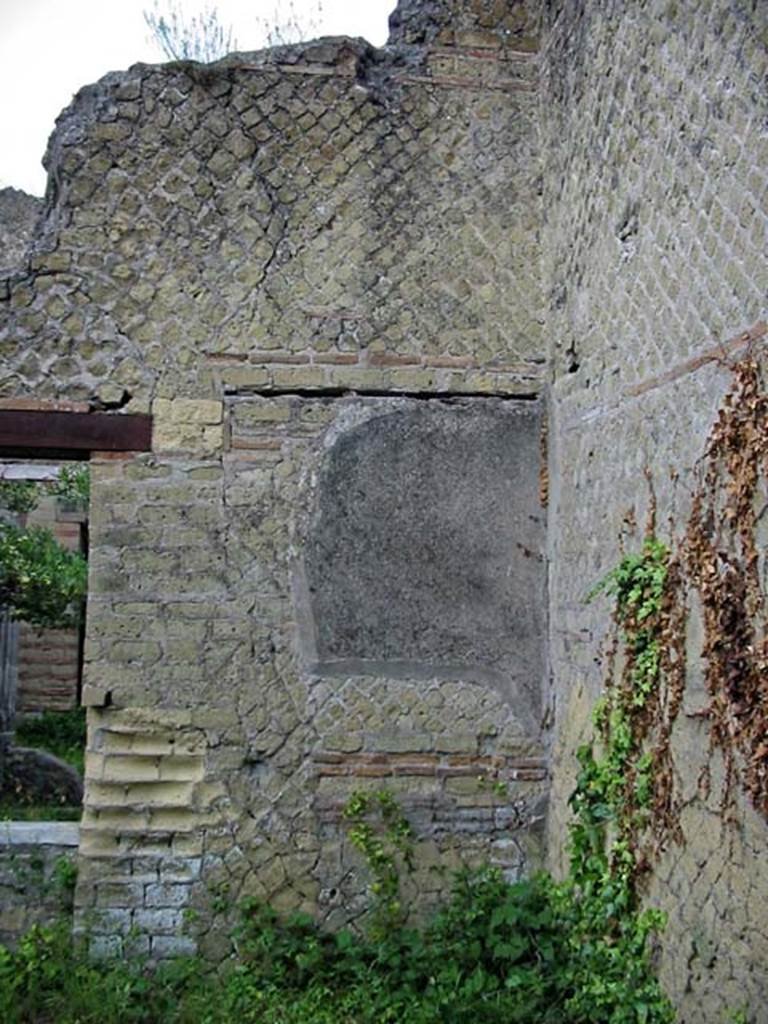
{"x":319,"y":216}
{"x":513,"y":23}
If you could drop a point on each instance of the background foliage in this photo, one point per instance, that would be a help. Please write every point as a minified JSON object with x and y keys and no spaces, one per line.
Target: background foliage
{"x":42,"y":582}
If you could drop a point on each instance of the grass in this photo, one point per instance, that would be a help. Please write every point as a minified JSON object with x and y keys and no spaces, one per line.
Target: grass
{"x":61,"y":733}
{"x":11,"y":810}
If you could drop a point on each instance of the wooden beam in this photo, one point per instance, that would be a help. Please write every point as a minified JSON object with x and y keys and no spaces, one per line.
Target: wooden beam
{"x":74,"y":432}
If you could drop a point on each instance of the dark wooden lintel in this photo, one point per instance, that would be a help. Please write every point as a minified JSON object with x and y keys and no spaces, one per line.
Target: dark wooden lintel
{"x":74,"y":432}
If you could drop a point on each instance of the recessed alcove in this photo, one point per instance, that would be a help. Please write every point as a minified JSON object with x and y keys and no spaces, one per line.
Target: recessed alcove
{"x":424,"y":551}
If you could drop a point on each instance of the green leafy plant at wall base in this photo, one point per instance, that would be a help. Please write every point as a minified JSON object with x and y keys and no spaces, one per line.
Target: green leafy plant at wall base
{"x":536,"y":951}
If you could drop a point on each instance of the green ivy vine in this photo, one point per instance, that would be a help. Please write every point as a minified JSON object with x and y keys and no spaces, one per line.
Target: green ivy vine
{"x":382,"y":834}
{"x":601,"y":967}
{"x":621,"y":786}
{"x":577,"y":951}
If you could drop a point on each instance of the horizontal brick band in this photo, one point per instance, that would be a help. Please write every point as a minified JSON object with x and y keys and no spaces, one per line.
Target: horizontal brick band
{"x":365,"y":765}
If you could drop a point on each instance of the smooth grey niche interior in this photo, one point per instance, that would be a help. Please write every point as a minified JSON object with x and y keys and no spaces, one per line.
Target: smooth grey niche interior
{"x":424,"y":551}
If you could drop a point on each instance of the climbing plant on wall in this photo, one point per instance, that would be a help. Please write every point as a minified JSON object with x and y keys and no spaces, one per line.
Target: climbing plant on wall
{"x":725,"y":562}
{"x":626,"y":807}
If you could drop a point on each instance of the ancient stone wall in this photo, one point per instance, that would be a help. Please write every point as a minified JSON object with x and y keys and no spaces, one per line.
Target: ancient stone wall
{"x":296,"y":685}
{"x":19,"y":214}
{"x":367,"y":209}
{"x":37,"y":874}
{"x":654,"y":134}
{"x":329,"y":274}
{"x":318,"y":269}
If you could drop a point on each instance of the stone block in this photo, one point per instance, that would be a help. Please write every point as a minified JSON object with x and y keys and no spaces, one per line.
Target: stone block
{"x":110,"y":922}
{"x":199,"y":411}
{"x":187,"y":845}
{"x":178,"y":869}
{"x":118,"y":768}
{"x":94,"y":843}
{"x":136,"y":947}
{"x":95,"y":696}
{"x":169,"y":946}
{"x":105,"y":947}
{"x":456,"y":742}
{"x":181,"y":768}
{"x":167,"y":895}
{"x":156,"y":794}
{"x":145,"y":745}
{"x":392,"y":741}
{"x":126,"y":894}
{"x":177,"y":819}
{"x":14,"y":921}
{"x":159,"y":922}
{"x":297,"y":377}
{"x":264,"y":411}
{"x":39,"y":833}
{"x":186,"y":424}
{"x":236,"y":377}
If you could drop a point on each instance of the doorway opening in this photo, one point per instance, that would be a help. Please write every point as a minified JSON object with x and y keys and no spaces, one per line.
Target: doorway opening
{"x":43,"y":581}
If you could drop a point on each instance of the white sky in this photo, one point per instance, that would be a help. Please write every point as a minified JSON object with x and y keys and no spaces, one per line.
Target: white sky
{"x":50,"y":48}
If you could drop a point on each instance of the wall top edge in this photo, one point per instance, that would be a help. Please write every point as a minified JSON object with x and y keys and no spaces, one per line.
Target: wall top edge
{"x":39,"y":833}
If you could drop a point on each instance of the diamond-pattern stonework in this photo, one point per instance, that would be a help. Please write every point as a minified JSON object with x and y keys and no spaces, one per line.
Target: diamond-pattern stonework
{"x":197,"y":583}
{"x":655,"y":121}
{"x":288,"y":216}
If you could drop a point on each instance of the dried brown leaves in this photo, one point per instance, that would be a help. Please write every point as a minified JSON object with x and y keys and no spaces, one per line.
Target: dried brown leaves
{"x":723,"y":563}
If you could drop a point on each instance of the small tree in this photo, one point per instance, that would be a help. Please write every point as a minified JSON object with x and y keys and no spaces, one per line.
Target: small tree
{"x":40,"y":581}
{"x":202,"y":37}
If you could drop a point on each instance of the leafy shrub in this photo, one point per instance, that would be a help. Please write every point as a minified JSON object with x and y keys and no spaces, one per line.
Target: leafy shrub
{"x":73,"y":484}
{"x":525,"y":953}
{"x":19,"y":496}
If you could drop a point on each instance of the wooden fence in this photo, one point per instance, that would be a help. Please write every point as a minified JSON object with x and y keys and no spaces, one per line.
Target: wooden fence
{"x":9,"y":641}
